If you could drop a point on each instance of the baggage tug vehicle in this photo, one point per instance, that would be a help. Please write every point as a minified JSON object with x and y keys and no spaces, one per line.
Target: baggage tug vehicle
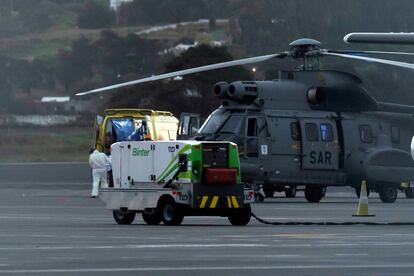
{"x":167,"y":180}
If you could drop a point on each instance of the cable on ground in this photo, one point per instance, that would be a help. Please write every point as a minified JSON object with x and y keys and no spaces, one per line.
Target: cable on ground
{"x":325,"y":223}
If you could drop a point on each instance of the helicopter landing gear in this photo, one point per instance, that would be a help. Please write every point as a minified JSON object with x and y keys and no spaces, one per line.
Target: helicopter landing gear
{"x":314,"y":193}
{"x":388,"y":193}
{"x":290,"y":192}
{"x":259,"y":197}
{"x":409,"y":192}
{"x":269,"y":192}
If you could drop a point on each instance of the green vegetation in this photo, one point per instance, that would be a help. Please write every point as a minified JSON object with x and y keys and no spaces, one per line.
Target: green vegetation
{"x":45,"y":144}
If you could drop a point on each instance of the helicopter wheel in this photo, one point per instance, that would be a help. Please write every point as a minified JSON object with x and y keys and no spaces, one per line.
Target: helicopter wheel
{"x":314,"y":193}
{"x":388,"y":193}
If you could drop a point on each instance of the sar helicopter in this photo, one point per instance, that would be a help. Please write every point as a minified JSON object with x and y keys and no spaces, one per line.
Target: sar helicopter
{"x":310,"y":127}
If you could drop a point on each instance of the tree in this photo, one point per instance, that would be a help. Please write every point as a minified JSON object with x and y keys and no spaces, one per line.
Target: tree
{"x":94,"y":16}
{"x":193,"y":93}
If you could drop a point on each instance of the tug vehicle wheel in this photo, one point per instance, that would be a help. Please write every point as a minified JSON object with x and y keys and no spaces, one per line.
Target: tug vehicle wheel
{"x":241,"y":216}
{"x":170,"y":212}
{"x":123,"y":217}
{"x":152,"y":219}
{"x":291,"y":192}
{"x":388,"y":193}
{"x":314,"y":194}
{"x":409,"y":193}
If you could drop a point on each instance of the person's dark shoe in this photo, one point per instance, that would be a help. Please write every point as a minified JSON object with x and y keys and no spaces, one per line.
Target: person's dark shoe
{"x":93,"y":196}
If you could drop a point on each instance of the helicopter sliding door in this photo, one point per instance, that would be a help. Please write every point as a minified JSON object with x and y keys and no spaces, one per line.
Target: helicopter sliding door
{"x":320,"y":149}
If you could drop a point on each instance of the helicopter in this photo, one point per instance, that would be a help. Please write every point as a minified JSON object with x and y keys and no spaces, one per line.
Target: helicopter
{"x":310,"y":128}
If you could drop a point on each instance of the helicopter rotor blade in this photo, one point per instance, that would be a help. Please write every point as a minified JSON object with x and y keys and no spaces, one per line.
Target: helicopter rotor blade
{"x":370,"y":59}
{"x":370,"y":53}
{"x":380,"y":38}
{"x":187,"y":72}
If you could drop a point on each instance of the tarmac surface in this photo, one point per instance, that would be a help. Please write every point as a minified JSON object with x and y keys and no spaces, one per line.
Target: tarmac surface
{"x":50,"y":226}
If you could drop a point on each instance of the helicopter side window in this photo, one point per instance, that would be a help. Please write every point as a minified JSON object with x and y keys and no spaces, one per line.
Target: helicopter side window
{"x":295,"y":131}
{"x":257,"y":127}
{"x":311,"y":130}
{"x":326,"y":133}
{"x":252,"y":127}
{"x":262,"y":130}
{"x":365,"y":133}
{"x":395,"y":135}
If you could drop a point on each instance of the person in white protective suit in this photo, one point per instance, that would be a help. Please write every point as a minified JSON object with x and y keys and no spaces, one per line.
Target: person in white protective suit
{"x":100,"y":165}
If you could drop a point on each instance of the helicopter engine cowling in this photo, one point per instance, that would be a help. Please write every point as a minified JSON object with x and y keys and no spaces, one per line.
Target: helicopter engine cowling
{"x":243,"y":91}
{"x":220,"y":90}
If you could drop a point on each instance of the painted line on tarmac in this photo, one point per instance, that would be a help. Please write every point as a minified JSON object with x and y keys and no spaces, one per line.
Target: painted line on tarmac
{"x":42,"y":163}
{"x":49,"y":207}
{"x":217,"y":245}
{"x":50,"y":218}
{"x":206,"y":268}
{"x":136,"y":246}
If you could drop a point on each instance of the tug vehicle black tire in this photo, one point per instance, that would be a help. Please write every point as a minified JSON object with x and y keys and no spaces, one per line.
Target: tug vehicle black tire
{"x":314,"y":193}
{"x":123,"y":217}
{"x":152,"y":219}
{"x":241,"y":216}
{"x":409,"y":192}
{"x":269,"y":193}
{"x":388,"y":193}
{"x":170,"y":212}
{"x":291,"y":192}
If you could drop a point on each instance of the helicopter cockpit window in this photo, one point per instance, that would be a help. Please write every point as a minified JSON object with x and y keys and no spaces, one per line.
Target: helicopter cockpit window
{"x":233,"y":125}
{"x":311,"y":130}
{"x":326,"y":133}
{"x":365,"y":133}
{"x":213,"y":123}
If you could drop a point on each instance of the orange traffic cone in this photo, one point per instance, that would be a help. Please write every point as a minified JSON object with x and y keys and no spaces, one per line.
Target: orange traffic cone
{"x":363,"y":202}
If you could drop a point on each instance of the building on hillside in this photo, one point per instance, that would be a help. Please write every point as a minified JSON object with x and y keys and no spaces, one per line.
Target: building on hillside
{"x":115,"y":4}
{"x":65,"y":105}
